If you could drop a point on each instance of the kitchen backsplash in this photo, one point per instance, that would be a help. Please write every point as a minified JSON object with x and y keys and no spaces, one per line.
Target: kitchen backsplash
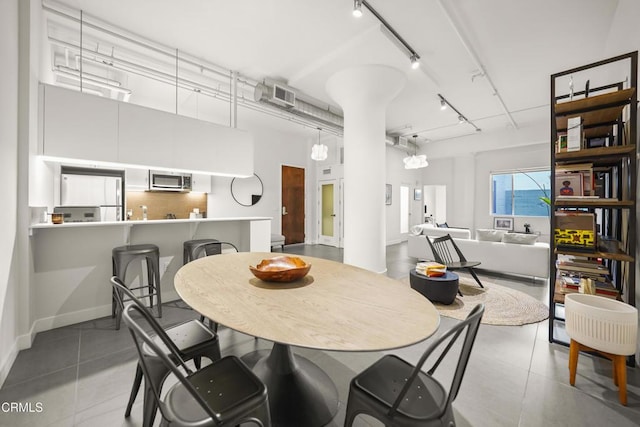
{"x":161,"y":204}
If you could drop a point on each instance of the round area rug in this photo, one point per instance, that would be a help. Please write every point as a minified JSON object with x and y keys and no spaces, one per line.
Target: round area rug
{"x":503,"y":305}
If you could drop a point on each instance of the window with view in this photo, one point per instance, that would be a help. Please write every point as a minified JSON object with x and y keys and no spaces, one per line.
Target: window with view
{"x":520,"y":193}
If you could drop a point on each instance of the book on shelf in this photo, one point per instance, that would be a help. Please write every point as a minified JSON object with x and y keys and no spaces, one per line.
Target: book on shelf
{"x":604,"y":281}
{"x":582,"y":172}
{"x":569,"y":285}
{"x":580,"y":268}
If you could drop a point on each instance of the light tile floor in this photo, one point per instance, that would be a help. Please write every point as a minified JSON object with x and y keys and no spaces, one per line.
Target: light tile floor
{"x":82,"y":374}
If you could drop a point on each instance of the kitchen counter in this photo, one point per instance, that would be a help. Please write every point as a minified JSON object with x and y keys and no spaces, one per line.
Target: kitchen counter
{"x":71,"y":262}
{"x":148,"y":222}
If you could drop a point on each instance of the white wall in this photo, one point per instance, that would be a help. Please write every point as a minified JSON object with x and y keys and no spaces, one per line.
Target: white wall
{"x":397,"y":175}
{"x":8,"y":176}
{"x":272,"y":149}
{"x":468,"y":189}
{"x":523,"y":157}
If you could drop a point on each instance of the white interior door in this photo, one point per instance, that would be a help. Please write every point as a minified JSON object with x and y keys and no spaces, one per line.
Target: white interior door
{"x":405,"y":212}
{"x":328,"y":210}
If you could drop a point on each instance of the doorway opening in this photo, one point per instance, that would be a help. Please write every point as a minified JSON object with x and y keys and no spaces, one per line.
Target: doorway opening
{"x":435,"y":204}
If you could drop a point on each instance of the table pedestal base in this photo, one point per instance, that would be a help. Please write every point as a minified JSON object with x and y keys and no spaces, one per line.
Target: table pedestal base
{"x":300,"y":393}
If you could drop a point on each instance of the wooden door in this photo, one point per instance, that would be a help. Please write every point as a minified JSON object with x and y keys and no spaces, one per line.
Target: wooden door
{"x":292,"y":204}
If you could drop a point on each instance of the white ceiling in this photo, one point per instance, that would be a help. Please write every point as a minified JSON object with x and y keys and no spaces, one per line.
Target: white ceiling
{"x":519,"y":44}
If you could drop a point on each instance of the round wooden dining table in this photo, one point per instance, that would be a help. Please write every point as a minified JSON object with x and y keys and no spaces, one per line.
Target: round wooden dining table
{"x":335,"y":307}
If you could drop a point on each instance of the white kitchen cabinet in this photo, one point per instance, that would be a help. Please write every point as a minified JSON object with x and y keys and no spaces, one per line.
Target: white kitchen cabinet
{"x":79,"y":126}
{"x":146,"y":136}
{"x":136,"y":179}
{"x":201,"y":183}
{"x":208,"y":147}
{"x":87,"y":127}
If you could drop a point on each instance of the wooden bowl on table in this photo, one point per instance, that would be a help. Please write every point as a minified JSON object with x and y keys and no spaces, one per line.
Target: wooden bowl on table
{"x":281,"y":269}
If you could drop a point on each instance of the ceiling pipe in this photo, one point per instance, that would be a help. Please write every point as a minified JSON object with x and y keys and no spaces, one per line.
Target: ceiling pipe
{"x":477,"y":62}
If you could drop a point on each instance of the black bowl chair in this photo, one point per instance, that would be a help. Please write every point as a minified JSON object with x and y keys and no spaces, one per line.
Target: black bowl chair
{"x":192,"y":340}
{"x":445,"y":251}
{"x":208,"y":249}
{"x":402,"y":395}
{"x":224,"y":393}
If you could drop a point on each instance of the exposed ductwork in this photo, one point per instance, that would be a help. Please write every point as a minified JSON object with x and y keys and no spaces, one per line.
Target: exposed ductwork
{"x":287,"y":99}
{"x":269,"y":96}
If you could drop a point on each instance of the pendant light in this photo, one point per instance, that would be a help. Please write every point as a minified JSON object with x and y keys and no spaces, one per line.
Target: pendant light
{"x":415,"y":161}
{"x":319,"y":151}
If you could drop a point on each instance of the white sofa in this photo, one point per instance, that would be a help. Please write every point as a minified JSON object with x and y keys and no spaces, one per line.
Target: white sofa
{"x":433,"y":231}
{"x":510,"y":258}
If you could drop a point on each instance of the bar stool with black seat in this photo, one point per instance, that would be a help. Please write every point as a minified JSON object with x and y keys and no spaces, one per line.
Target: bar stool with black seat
{"x":189,"y":245}
{"x":121,"y":257}
{"x":208,"y":248}
{"x":192,"y":340}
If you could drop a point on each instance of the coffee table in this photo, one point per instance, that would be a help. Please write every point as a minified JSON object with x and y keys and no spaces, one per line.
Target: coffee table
{"x":441,"y":289}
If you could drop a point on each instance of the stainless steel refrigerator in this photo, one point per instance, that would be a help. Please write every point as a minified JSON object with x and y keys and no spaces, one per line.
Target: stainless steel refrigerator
{"x":93,"y":190}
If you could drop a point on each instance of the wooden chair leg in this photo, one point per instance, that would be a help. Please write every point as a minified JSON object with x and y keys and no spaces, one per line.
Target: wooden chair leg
{"x":615,"y":371}
{"x":621,"y":374}
{"x":574,"y":350}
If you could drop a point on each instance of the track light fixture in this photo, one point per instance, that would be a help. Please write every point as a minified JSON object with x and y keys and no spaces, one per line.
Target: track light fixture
{"x":415,"y":62}
{"x":461,"y":118}
{"x":357,"y":12}
{"x":357,"y":8}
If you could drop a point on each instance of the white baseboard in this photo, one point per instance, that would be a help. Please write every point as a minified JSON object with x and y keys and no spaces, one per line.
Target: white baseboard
{"x":7,"y":363}
{"x":394,"y":242}
{"x":23,"y":342}
{"x":71,"y":318}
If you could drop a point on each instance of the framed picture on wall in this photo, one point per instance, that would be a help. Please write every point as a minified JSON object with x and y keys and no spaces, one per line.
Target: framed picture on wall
{"x":501,"y":223}
{"x":387,"y":195}
{"x":417,"y":194}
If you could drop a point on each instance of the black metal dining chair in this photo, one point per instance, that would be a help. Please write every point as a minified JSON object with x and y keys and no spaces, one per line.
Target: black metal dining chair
{"x":192,"y":340}
{"x":208,"y":248}
{"x":400,"y":394}
{"x":224,"y":393}
{"x":445,"y":251}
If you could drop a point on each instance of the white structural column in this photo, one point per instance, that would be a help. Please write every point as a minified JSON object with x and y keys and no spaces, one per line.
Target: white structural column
{"x":363,"y":92}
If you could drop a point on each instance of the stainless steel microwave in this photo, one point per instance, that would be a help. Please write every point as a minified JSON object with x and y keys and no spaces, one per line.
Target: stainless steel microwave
{"x":169,"y":181}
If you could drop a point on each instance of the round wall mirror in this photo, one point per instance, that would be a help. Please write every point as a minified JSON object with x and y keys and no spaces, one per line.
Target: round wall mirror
{"x":247,"y":191}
